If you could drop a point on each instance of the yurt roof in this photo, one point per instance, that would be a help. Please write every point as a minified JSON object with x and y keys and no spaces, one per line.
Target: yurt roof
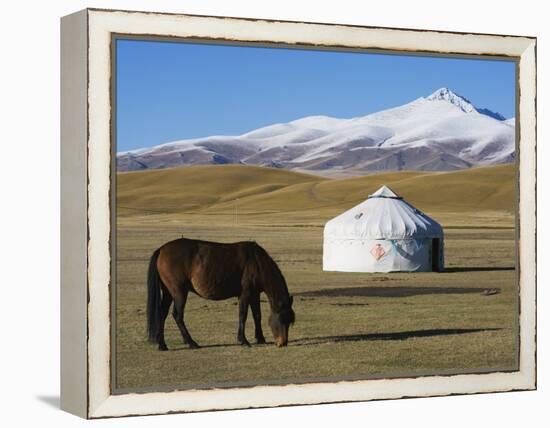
{"x":385,"y":192}
{"x":384,"y":215}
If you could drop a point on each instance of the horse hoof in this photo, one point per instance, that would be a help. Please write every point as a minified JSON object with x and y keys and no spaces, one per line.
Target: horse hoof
{"x":194,"y":345}
{"x":260,"y":341}
{"x":163,"y":348}
{"x":245,"y":343}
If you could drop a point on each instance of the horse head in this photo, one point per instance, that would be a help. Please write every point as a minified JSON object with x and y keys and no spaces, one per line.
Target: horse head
{"x":280,"y":320}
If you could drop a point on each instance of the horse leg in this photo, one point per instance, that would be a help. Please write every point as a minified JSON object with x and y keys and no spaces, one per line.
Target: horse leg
{"x":177,"y":312}
{"x":243,"y":313}
{"x":257,"y":314}
{"x":164,"y":308}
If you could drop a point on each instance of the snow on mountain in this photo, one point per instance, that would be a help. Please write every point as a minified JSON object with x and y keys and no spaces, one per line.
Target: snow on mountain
{"x":445,"y":94}
{"x":440,"y":132}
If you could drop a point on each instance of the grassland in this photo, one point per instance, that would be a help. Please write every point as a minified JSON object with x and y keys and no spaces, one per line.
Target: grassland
{"x":348,"y":325}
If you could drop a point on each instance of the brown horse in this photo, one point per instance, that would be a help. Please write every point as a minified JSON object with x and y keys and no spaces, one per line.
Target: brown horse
{"x":216,"y":271}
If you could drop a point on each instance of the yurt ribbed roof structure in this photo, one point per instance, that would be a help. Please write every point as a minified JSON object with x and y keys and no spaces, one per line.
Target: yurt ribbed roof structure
{"x":383,"y":233}
{"x":384,"y":215}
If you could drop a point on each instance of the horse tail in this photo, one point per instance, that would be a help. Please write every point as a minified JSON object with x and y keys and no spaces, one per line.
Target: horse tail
{"x":153,"y":298}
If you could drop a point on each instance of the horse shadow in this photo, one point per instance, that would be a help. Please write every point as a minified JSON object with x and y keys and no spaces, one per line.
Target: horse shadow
{"x":320,"y":340}
{"x":221,"y":345}
{"x":401,"y":335}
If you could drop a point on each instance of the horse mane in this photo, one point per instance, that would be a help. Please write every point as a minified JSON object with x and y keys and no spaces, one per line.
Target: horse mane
{"x":266,"y":271}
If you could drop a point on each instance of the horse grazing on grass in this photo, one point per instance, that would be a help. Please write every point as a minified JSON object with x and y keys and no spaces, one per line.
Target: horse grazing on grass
{"x":216,"y":271}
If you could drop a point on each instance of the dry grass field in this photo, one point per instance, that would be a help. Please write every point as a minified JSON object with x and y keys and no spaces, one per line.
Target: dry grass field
{"x":348,"y":325}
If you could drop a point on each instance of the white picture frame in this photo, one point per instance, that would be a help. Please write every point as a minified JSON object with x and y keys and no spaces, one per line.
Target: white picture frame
{"x":86,"y":235}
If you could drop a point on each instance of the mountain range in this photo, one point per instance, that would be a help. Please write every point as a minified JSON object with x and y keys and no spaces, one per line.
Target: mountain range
{"x":441,"y":132}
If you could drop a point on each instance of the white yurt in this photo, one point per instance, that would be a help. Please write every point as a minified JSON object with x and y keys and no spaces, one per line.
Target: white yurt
{"x":383,"y":234}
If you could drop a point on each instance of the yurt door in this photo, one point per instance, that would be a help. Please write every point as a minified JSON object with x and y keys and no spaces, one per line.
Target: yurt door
{"x":436,"y":248}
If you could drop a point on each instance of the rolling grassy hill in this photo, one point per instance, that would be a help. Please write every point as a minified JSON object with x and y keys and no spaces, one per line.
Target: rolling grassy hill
{"x":451,"y":329}
{"x":198,"y":187}
{"x":211,"y":190}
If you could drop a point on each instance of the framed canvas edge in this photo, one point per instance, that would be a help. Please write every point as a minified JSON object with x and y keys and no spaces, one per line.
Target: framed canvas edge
{"x":102,"y":24}
{"x":73,"y":210}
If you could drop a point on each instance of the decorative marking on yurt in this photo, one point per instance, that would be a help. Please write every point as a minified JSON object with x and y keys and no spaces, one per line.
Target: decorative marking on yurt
{"x":383,"y":234}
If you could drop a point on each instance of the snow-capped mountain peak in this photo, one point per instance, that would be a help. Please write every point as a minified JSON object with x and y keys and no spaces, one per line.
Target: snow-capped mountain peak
{"x":441,"y":132}
{"x":445,"y":94}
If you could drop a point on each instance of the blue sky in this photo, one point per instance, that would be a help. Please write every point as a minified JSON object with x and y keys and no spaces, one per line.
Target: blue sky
{"x":170,"y":91}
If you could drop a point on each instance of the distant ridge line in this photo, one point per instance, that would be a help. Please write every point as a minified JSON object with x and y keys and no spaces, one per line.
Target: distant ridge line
{"x":441,"y":132}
